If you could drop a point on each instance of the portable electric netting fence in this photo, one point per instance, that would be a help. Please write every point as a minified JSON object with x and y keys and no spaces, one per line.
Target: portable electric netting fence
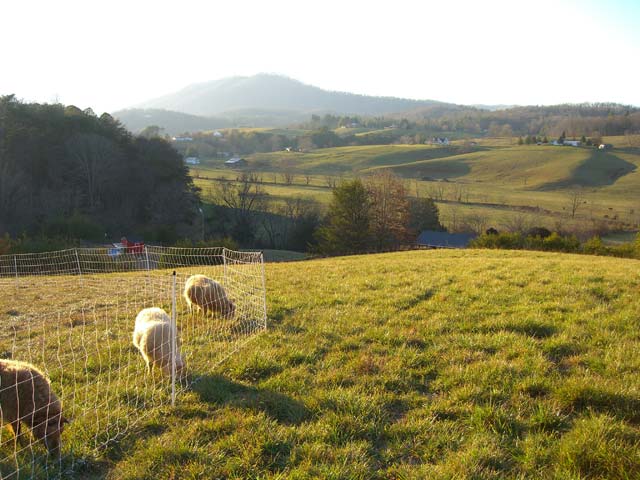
{"x":66,"y":350}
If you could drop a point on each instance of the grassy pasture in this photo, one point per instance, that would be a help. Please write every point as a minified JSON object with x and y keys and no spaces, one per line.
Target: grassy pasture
{"x":427,"y":364}
{"x":501,"y":182}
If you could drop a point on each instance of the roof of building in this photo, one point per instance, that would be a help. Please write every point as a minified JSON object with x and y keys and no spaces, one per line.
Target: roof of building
{"x":432,"y":238}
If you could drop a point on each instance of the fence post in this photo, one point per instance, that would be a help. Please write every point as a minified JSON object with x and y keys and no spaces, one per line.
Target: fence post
{"x":15,"y":264}
{"x":224,"y":261}
{"x":264,"y":290}
{"x":146,"y":253}
{"x":174,"y":332}
{"x":78,"y":262}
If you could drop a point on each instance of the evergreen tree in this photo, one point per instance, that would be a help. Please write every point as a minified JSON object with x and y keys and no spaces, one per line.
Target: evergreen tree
{"x":346,"y":228}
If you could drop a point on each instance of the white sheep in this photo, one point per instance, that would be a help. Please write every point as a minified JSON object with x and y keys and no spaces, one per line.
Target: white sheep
{"x":26,"y":396}
{"x":152,"y":336}
{"x":208,"y":295}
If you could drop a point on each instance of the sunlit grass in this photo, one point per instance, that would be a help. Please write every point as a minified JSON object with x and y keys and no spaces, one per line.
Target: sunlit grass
{"x":430,"y":364}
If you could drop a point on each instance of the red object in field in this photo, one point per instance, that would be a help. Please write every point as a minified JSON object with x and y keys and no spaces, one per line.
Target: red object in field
{"x":132,"y":247}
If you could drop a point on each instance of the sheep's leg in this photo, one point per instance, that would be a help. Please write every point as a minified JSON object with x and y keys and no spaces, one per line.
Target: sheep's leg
{"x":15,"y":426}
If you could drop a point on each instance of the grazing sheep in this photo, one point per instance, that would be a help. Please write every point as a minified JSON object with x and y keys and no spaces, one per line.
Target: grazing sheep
{"x":152,"y":336}
{"x":26,"y":396}
{"x":208,"y":295}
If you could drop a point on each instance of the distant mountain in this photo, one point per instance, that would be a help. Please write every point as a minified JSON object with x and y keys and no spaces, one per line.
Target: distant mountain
{"x":229,"y":97}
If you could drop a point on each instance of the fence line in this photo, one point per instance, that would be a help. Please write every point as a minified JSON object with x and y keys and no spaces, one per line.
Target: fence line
{"x":72,"y":318}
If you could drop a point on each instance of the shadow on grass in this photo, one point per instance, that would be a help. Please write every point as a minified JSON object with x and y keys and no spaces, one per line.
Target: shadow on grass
{"x":219,"y":390}
{"x":622,"y":406}
{"x":532,"y":328}
{"x":416,"y":300}
{"x":600,"y":169}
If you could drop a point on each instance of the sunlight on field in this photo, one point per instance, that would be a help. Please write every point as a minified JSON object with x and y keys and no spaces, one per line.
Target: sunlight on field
{"x":429,"y":364}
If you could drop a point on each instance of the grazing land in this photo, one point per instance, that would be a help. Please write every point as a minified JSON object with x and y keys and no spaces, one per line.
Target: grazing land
{"x":492,"y":182}
{"x":427,"y":364}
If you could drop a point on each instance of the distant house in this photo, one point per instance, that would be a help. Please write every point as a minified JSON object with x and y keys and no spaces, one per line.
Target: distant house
{"x":217,"y":134}
{"x":439,"y":141}
{"x":235,"y":162}
{"x":605,"y":146}
{"x":192,"y":161}
{"x":435,"y":239}
{"x":182,"y":139}
{"x":556,"y":142}
{"x":572,"y":143}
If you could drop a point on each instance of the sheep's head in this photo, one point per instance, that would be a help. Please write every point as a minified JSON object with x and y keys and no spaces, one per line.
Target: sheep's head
{"x":50,"y":432}
{"x":228,"y":308}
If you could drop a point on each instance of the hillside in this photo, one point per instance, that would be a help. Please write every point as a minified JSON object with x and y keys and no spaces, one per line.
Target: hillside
{"x":492,"y":181}
{"x":241,"y":96}
{"x":429,"y":364}
{"x":173,"y":123}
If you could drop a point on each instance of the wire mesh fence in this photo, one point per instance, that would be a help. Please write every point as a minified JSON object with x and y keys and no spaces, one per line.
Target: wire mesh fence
{"x":71,"y":347}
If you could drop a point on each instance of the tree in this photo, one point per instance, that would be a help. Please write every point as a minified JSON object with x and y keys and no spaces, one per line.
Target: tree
{"x":346,"y":226}
{"x":93,"y":159}
{"x":288,"y":177}
{"x":244,"y":197}
{"x":389,"y":210}
{"x":423,"y":215}
{"x":152,"y":131}
{"x":575,"y":198}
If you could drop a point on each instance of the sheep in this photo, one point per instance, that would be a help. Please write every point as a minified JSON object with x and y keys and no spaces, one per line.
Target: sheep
{"x":152,"y":336}
{"x":26,"y":396}
{"x":208,"y":295}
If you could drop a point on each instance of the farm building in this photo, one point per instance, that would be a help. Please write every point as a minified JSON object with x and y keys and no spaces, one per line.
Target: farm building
{"x":572,"y":143}
{"x":435,"y":239}
{"x":235,"y":162}
{"x":192,"y":161}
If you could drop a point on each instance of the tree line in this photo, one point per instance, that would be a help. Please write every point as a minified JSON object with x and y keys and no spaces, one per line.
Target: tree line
{"x":371,"y":214}
{"x":68,"y":172}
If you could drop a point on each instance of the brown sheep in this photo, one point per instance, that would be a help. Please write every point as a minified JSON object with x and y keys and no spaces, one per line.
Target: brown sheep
{"x":152,"y":336}
{"x":208,"y":295}
{"x":26,"y":396}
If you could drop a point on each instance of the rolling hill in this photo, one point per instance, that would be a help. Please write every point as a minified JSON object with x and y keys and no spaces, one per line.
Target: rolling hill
{"x":240,"y":96}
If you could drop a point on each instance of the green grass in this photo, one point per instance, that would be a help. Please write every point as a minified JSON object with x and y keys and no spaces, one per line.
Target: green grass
{"x":504,"y":184}
{"x":428,"y":364}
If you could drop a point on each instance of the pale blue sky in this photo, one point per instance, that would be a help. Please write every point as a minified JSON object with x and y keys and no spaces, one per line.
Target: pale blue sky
{"x":110,"y":55}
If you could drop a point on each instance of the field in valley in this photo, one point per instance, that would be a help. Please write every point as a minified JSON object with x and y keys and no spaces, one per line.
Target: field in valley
{"x":498,"y":184}
{"x":425,"y":364}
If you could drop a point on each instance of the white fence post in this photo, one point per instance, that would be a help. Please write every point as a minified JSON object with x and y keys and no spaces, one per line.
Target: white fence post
{"x":224,"y":261}
{"x":146,"y":253}
{"x":78,"y":262}
{"x":15,"y":264}
{"x":174,"y":334}
{"x":264,"y":290}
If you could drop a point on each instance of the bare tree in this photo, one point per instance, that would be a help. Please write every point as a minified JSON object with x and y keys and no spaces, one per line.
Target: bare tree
{"x":517,"y":223}
{"x":575,"y":198}
{"x":288,"y":177}
{"x":244,"y":198}
{"x":389,"y":209}
{"x":92,"y":159}
{"x":476,"y":222}
{"x":330,"y":181}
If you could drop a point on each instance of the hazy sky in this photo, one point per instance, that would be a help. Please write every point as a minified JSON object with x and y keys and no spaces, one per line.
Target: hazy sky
{"x":112,"y":54}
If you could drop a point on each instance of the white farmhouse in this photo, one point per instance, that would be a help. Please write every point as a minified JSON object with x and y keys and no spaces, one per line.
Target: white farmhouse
{"x":192,"y":161}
